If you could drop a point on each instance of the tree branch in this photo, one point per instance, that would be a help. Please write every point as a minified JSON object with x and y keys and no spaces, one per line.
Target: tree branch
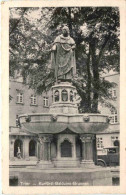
{"x":105,"y":43}
{"x":103,"y":47}
{"x":18,"y":21}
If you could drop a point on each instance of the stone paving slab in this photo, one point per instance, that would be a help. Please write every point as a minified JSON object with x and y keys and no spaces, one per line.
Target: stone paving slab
{"x":61,"y":177}
{"x":58,"y":170}
{"x":97,"y":176}
{"x":29,"y":162}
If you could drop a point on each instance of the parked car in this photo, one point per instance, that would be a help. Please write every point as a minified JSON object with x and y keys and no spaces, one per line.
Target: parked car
{"x":110,"y":157}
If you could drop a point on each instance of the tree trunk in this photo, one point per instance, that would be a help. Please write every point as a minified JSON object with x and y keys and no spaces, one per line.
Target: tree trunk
{"x":95,"y":80}
{"x":88,"y":104}
{"x":70,"y":22}
{"x":95,"y":86}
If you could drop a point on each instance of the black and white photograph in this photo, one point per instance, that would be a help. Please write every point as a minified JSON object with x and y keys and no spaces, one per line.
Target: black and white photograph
{"x":64,"y":96}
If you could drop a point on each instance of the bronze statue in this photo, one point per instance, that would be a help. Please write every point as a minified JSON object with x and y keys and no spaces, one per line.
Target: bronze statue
{"x":63,"y":56}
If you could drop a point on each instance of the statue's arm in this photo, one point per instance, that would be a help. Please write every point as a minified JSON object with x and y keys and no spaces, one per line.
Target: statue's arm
{"x":53,"y":56}
{"x":54,"y":47}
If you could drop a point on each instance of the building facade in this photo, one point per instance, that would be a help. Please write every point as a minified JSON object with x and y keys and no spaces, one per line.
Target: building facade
{"x":60,"y":138}
{"x":24,"y":100}
{"x":111,"y":136}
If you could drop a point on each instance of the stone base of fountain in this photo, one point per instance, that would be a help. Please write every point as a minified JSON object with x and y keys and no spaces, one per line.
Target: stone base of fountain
{"x":63,"y":177}
{"x":67,"y":163}
{"x":44,"y":164}
{"x":87,"y":164}
{"x":66,"y":143}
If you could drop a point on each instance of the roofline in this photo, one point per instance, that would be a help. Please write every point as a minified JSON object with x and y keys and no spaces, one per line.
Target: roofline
{"x":111,"y":75}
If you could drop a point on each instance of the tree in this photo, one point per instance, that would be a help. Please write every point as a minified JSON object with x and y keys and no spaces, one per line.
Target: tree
{"x":28,"y":40}
{"x":96,"y":34}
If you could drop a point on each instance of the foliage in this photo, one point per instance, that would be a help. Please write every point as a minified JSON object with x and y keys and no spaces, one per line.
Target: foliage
{"x":96,"y":34}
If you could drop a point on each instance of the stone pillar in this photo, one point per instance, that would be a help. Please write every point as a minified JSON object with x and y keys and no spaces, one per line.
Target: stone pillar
{"x":11,"y":149}
{"x":87,"y":150}
{"x":68,"y":91}
{"x":45,"y":151}
{"x":58,"y":149}
{"x":60,"y":98}
{"x":74,"y":149}
{"x":26,"y":148}
{"x":49,"y":151}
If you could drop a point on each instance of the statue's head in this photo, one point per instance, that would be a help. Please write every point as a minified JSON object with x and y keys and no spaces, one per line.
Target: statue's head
{"x":65,"y":31}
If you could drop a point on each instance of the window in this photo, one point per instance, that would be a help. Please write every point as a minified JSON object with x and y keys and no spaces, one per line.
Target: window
{"x":113,"y":93}
{"x":66,"y":149}
{"x":111,"y":150}
{"x":116,"y":143}
{"x":56,"y":96}
{"x":18,"y":148}
{"x":114,"y":116}
{"x":71,"y":96}
{"x":33,"y":100}
{"x":17,"y":121}
{"x":32,"y":148}
{"x":46,"y":101}
{"x":20,"y":98}
{"x":99,"y":142}
{"x":115,"y":140}
{"x":64,"y":96}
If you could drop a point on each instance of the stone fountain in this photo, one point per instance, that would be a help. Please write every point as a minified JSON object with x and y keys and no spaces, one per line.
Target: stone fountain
{"x":63,"y":122}
{"x":66,"y":138}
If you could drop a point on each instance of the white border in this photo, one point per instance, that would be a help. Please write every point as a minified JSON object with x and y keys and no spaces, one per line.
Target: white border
{"x":5,"y":100}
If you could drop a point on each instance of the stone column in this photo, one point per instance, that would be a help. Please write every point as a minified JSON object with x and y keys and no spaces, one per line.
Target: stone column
{"x":60,"y":98}
{"x":87,"y":150}
{"x":11,"y":149}
{"x":74,"y":148}
{"x":68,"y":91}
{"x":58,"y":148}
{"x":49,"y":151}
{"x":45,"y":151}
{"x":26,"y":148}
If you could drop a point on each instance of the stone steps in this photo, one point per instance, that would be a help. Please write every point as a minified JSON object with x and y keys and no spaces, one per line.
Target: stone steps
{"x":64,"y":164}
{"x":22,"y":164}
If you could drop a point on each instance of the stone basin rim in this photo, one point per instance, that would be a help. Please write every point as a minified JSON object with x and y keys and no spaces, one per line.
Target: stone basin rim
{"x":54,"y":130}
{"x":61,"y":114}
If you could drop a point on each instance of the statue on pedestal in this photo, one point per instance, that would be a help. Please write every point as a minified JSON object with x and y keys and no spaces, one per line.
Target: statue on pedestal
{"x":19,"y":153}
{"x":63,"y":56}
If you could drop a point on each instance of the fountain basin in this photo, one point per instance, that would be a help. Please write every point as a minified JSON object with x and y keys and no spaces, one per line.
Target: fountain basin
{"x":56,"y":123}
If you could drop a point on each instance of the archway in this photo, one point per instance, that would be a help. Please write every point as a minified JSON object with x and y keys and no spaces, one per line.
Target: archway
{"x":32,"y":148}
{"x":66,"y":149}
{"x":56,"y":96}
{"x":64,"y":95}
{"x":116,"y":143}
{"x":78,"y":148}
{"x":18,"y":145}
{"x":71,"y":96}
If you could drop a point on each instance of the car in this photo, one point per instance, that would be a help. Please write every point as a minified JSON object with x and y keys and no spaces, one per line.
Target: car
{"x":110,"y":157}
